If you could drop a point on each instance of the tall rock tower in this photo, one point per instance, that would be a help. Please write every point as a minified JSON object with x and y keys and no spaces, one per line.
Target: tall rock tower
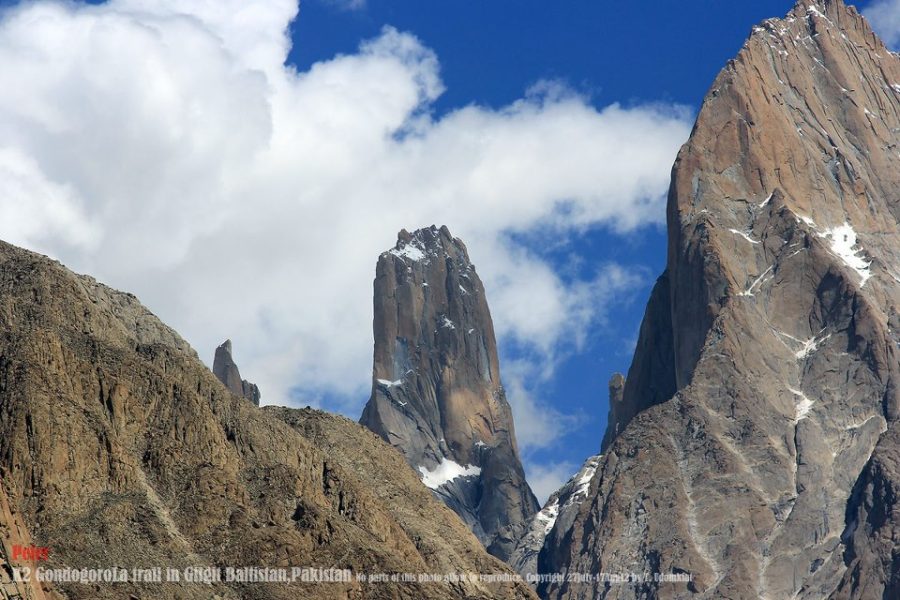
{"x":226,"y":371}
{"x":436,"y":390}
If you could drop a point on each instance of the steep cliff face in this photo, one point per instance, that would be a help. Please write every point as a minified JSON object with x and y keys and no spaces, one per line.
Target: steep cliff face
{"x":770,"y":471}
{"x":436,"y":390}
{"x":226,"y":371}
{"x":118,"y":447}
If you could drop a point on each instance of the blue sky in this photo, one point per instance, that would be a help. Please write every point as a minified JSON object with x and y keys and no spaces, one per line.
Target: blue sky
{"x":491,"y":51}
{"x":242,"y":181}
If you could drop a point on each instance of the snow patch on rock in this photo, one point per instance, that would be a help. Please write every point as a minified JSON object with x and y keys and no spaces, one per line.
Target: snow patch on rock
{"x":804,"y":405}
{"x":843,"y":242}
{"x":585,"y":476}
{"x":546,"y":517}
{"x":446,"y":472}
{"x":408,"y":251}
{"x":749,"y":291}
{"x":744,"y":235}
{"x":810,"y":346}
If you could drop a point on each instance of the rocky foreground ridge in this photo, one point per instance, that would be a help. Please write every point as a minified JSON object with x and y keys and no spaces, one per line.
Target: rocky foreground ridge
{"x":762,"y":461}
{"x":436,"y":389}
{"x":119,"y":447}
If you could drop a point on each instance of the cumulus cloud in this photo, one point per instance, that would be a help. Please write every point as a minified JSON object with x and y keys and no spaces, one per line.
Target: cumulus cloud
{"x":538,"y":425}
{"x":164,"y":147}
{"x":884,"y":16}
{"x":32,"y":206}
{"x":545,"y":479}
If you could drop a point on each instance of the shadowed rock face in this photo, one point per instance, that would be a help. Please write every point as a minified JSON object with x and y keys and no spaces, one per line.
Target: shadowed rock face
{"x":225,"y":369}
{"x":436,"y":391}
{"x":764,"y":464}
{"x":118,"y":447}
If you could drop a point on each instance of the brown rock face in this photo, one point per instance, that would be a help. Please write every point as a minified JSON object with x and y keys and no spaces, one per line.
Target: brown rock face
{"x":616,"y":388}
{"x":771,"y":470}
{"x":436,"y":391}
{"x":226,"y":371}
{"x":118,"y":447}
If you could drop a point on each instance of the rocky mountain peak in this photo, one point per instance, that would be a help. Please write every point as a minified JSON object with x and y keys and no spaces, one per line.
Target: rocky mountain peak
{"x":436,"y":390}
{"x":430,"y":240}
{"x":226,"y":370}
{"x":805,"y":115}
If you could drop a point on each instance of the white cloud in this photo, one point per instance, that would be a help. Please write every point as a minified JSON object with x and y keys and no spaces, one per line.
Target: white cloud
{"x":546,"y":479}
{"x":884,"y":16}
{"x":164,"y":148}
{"x":538,"y":425}
{"x":255,"y":34}
{"x":31,"y":206}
